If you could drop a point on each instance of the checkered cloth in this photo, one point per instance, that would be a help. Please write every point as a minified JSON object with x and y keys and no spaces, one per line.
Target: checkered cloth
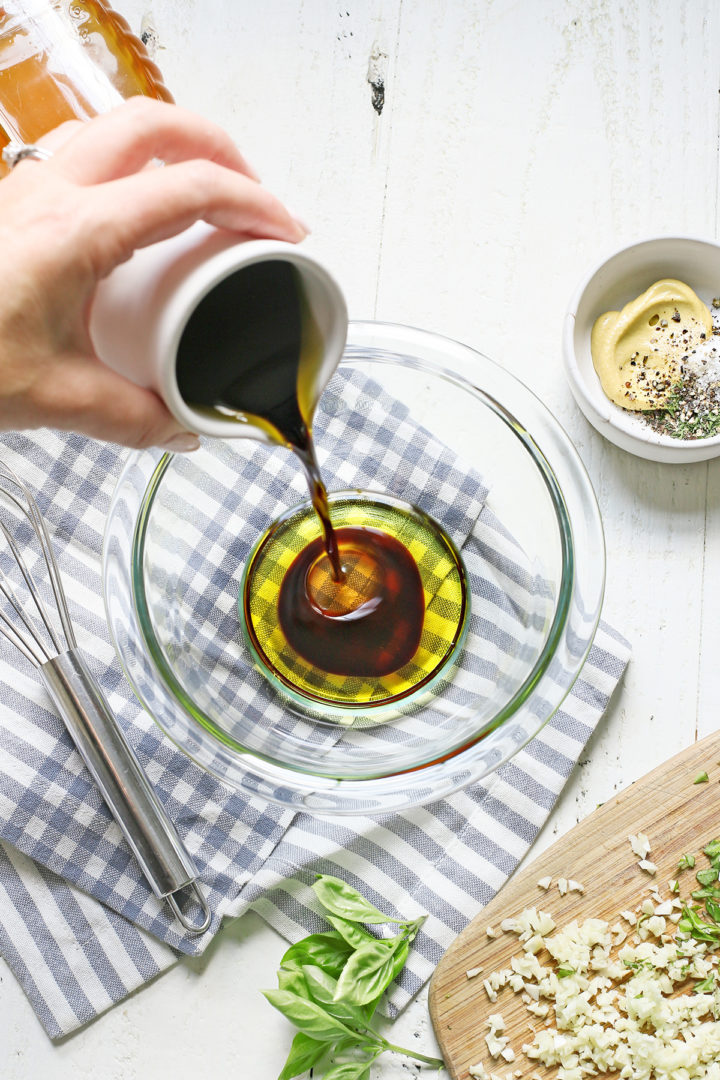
{"x":78,"y":924}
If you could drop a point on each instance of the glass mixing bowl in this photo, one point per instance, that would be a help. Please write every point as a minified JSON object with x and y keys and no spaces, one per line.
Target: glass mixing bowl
{"x":181,"y":529}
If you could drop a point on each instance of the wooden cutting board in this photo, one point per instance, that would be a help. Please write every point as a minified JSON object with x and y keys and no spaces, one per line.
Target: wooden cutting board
{"x":677,"y":816}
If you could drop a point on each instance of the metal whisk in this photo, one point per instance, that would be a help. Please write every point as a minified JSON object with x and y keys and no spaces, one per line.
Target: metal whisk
{"x":99,"y":739}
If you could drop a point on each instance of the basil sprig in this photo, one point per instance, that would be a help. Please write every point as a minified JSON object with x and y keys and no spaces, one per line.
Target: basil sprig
{"x":330,"y":984}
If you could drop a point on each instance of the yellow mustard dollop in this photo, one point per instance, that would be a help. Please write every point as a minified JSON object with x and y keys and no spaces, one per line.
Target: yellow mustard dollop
{"x":638,"y":352}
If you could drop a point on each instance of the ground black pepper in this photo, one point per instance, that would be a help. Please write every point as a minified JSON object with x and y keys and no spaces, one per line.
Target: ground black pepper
{"x":692,"y":409}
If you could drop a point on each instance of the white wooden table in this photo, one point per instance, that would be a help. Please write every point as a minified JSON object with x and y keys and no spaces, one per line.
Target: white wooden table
{"x":518,"y":142}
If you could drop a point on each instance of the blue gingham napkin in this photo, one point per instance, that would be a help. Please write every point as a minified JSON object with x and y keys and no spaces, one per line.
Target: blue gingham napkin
{"x":78,"y":924}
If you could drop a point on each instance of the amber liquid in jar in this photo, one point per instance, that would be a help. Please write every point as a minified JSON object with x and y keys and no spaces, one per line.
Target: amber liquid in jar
{"x":67,"y":60}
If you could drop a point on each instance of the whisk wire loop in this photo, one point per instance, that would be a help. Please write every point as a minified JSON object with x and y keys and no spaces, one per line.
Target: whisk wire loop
{"x":35,"y":519}
{"x":9,"y":593}
{"x":89,"y":720}
{"x":16,"y":638}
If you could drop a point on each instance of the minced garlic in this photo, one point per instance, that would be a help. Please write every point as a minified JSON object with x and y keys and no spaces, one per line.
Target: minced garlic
{"x":640,"y":845}
{"x":613,"y":1000}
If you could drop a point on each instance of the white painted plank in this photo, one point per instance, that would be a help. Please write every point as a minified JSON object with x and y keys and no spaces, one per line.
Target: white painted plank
{"x":289,"y":81}
{"x":708,"y":715}
{"x":551,"y":133}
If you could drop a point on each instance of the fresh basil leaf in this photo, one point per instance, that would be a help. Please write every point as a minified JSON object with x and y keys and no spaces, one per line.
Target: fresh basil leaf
{"x":353,"y":967}
{"x":340,"y":899}
{"x":310,"y":1018}
{"x":366,"y":974}
{"x":322,"y":988}
{"x":349,"y":1070}
{"x":353,"y":1016}
{"x":328,"y":951}
{"x":354,"y":935}
{"x":411,"y":928}
{"x":304,"y":1052}
{"x":354,"y":1043}
{"x":401,"y":955}
{"x":292,"y":979}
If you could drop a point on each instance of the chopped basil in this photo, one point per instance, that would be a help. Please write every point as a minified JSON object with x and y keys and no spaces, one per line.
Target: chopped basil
{"x":637,"y":965}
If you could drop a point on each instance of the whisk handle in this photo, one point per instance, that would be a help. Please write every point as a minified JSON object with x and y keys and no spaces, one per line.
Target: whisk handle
{"x":118,"y":774}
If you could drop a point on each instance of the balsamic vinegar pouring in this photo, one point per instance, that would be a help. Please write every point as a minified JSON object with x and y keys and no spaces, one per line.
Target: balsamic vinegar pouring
{"x":352,"y":603}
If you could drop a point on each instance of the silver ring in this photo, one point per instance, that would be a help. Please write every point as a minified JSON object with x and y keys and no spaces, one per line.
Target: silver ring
{"x":15,"y":152}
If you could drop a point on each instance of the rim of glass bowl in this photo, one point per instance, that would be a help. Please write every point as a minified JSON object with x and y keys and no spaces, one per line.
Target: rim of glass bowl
{"x":581,"y":588}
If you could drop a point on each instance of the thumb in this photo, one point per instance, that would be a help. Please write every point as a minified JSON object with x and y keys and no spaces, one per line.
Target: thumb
{"x":90,"y":398}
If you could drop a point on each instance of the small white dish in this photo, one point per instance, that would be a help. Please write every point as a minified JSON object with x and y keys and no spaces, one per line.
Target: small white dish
{"x":608,"y":287}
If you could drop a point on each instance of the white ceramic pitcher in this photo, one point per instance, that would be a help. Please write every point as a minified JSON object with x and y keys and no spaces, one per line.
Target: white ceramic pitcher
{"x":140,"y":311}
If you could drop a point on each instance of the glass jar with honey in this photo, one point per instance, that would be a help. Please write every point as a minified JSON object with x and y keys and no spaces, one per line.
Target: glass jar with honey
{"x":67,"y":60}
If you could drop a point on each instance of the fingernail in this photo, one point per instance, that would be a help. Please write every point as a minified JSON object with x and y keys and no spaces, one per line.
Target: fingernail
{"x":250,"y":171}
{"x":299,"y":221}
{"x":184,"y":443}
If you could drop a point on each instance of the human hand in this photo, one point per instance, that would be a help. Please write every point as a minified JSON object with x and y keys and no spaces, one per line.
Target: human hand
{"x":66,"y":223}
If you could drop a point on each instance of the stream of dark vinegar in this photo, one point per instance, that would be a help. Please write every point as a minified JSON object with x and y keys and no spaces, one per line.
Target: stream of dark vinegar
{"x":318,"y":496}
{"x":241,"y":353}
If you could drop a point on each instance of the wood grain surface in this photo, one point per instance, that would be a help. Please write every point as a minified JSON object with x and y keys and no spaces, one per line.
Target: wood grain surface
{"x":677,"y":816}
